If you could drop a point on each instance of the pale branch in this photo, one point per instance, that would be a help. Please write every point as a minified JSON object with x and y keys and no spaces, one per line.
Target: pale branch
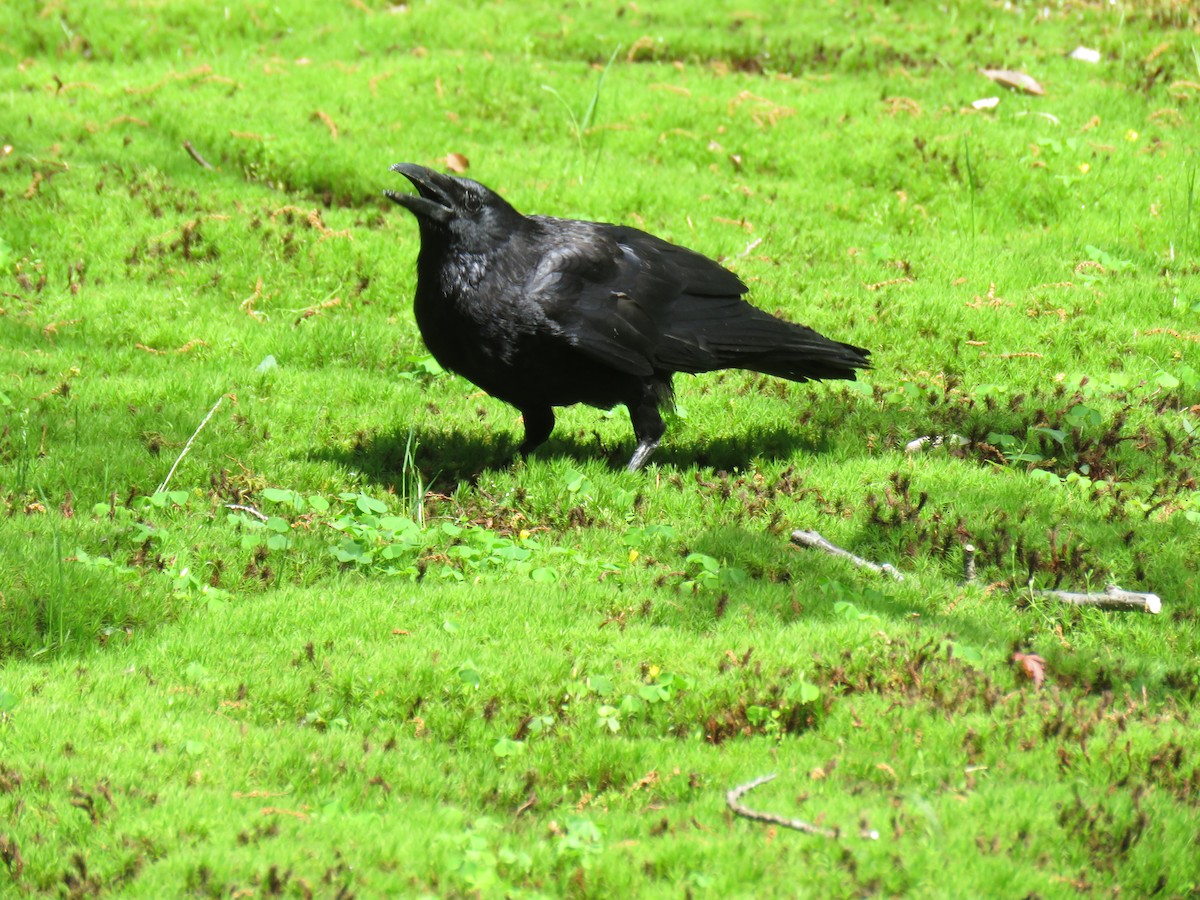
{"x":188,"y":446}
{"x":968,"y":563}
{"x":247,"y":509}
{"x":1111,"y":598}
{"x":195,"y":154}
{"x":733,"y":801}
{"x":749,"y":247}
{"x":933,"y":441}
{"x":814,"y":541}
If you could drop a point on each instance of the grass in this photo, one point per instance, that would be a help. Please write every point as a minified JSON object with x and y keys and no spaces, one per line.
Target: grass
{"x":333,"y":646}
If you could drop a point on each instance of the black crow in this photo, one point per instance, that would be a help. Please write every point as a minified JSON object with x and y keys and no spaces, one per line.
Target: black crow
{"x":543,"y":312}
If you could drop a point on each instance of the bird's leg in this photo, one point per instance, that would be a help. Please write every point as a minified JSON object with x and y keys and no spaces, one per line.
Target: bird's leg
{"x":648,"y":427}
{"x":539,"y":422}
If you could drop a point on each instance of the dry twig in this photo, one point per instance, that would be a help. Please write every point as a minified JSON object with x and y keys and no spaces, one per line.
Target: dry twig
{"x":1111,"y":598}
{"x":968,"y":563}
{"x":324,"y":117}
{"x":733,"y":801}
{"x":247,"y":509}
{"x":188,"y":446}
{"x":195,"y":154}
{"x":814,"y":541}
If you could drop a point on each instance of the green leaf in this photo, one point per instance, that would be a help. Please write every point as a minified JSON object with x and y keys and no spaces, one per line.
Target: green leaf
{"x":8,"y":701}
{"x":600,"y":684}
{"x":808,"y":693}
{"x":1058,"y":436}
{"x":1081,"y":416}
{"x":654,"y":693}
{"x":847,"y":610}
{"x":506,"y":747}
{"x":631,"y":705}
{"x":972,"y":656}
{"x":397,"y":524}
{"x":469,"y":675}
{"x":370,"y":504}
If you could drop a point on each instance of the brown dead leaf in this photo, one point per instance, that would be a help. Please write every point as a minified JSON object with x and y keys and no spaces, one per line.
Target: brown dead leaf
{"x":457,"y":163}
{"x":257,"y":795}
{"x":324,"y":117}
{"x":280,"y":811}
{"x":641,"y":49}
{"x":1157,"y":52}
{"x":882,"y":284}
{"x":1017,"y":81}
{"x":897,"y":105}
{"x":1033,"y":666}
{"x":647,"y":780}
{"x":740,"y":223}
{"x":316,"y":310}
{"x":1167,"y":116}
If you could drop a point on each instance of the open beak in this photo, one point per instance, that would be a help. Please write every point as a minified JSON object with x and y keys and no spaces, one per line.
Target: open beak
{"x":434,"y":198}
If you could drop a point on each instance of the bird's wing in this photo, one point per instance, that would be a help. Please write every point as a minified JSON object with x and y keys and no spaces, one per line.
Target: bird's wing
{"x":617,"y":294}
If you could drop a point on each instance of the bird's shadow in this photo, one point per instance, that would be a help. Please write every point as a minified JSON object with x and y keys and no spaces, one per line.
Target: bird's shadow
{"x":446,"y":457}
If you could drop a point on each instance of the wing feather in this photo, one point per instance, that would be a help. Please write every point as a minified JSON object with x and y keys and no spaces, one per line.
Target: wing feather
{"x":640,"y":304}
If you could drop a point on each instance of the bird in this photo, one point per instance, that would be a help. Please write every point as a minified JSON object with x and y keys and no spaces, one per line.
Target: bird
{"x":542,"y":312}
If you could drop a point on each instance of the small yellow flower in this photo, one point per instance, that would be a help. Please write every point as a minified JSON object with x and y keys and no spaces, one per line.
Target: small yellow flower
{"x":525,"y":533}
{"x":1084,"y":168}
{"x":633,"y":555}
{"x":1131,"y":135}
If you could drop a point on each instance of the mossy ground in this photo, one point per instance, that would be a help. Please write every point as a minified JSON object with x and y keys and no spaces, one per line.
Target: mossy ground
{"x":429,"y":672}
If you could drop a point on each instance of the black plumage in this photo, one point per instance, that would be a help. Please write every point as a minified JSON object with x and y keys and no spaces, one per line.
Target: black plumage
{"x":543,"y":312}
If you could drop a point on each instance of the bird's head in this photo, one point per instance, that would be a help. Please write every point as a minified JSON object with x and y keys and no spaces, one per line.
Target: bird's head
{"x":459,"y":211}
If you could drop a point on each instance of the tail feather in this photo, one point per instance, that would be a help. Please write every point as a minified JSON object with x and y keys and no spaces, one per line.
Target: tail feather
{"x":730,"y":333}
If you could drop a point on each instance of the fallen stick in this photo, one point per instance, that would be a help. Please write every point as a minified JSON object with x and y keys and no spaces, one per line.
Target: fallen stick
{"x":1111,"y":598}
{"x":968,"y":563}
{"x":734,"y":796}
{"x":247,"y":509}
{"x":188,"y":446}
{"x":814,"y":541}
{"x":195,"y":154}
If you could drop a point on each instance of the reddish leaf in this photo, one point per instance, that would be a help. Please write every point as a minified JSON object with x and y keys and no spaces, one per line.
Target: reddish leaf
{"x":457,"y":163}
{"x":1033,"y":666}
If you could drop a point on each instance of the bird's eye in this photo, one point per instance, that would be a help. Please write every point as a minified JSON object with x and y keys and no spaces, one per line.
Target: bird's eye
{"x":472,"y":203}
